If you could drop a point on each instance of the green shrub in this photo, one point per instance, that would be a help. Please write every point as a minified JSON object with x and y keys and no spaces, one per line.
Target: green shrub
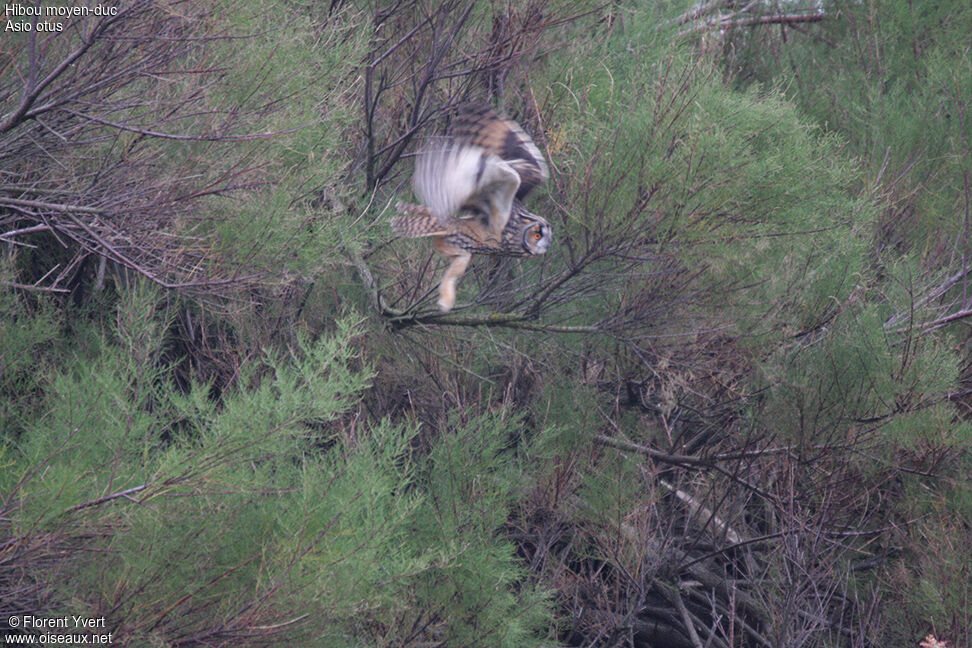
{"x":195,"y":521}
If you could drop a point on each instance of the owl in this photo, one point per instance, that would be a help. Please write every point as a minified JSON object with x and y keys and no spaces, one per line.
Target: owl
{"x":471,"y":183}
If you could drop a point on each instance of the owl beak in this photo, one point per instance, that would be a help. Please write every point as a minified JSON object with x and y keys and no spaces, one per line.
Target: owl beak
{"x":544,"y":242}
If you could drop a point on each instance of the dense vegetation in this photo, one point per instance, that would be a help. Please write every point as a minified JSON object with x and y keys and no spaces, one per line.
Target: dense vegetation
{"x":730,"y":407}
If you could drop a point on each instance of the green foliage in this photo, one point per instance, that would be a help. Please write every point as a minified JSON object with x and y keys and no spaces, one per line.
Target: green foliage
{"x":749,"y":216}
{"x":894,"y":78}
{"x":471,"y":481}
{"x":24,"y":334}
{"x":774,"y":198}
{"x":201,"y":519}
{"x":856,"y":373}
{"x":296,"y":206}
{"x":928,"y":583}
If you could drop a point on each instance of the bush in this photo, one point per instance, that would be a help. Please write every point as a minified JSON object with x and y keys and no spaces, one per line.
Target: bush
{"x":184,"y":521}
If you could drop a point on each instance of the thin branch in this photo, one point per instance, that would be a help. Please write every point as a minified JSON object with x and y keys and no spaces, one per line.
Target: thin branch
{"x":190,"y":138}
{"x":726,"y":23}
{"x":31,"y":91}
{"x":687,"y":620}
{"x":25,"y":230}
{"x":127,"y":493}
{"x":14,"y":284}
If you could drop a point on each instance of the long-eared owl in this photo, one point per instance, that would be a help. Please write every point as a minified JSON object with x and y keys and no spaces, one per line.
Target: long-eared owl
{"x":471,"y":183}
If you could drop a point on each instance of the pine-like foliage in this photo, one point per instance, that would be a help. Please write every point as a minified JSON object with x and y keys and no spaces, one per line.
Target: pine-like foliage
{"x":183,"y":521}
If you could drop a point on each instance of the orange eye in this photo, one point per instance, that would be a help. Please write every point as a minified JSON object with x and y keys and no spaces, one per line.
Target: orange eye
{"x":537,"y":235}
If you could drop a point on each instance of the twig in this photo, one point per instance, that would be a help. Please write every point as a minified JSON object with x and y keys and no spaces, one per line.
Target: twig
{"x":687,"y":620}
{"x":724,"y":23}
{"x":703,"y":512}
{"x":936,"y":323}
{"x":936,"y":293}
{"x":250,"y":137}
{"x":26,"y":230}
{"x":127,"y":493}
{"x":14,"y":284}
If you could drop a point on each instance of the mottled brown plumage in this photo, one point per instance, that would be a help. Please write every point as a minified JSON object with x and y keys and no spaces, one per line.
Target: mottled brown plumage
{"x":479,"y":125}
{"x":418,"y":222}
{"x":470,"y":184}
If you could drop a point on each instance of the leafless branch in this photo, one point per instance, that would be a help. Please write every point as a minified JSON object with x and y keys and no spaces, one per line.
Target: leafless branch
{"x":127,"y":494}
{"x":740,"y":19}
{"x":82,"y":116}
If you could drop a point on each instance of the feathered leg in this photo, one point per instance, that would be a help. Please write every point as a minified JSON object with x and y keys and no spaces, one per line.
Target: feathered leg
{"x":447,"y":288}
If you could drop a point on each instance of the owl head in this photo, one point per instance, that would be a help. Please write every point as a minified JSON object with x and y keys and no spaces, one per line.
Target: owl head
{"x":536,"y":234}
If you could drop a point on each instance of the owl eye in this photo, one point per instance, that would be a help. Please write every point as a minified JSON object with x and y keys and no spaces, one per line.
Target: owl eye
{"x":537,"y":235}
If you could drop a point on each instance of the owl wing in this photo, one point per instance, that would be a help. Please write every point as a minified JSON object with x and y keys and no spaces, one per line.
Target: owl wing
{"x":481,"y":126}
{"x":483,"y":164}
{"x":452,"y":173}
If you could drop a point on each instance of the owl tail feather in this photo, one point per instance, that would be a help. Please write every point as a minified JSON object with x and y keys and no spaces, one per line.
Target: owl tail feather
{"x":417,"y":221}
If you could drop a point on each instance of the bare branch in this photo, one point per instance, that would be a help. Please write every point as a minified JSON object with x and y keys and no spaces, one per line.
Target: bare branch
{"x":127,"y":494}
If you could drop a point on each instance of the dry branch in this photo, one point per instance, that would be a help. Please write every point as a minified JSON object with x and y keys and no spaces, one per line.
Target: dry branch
{"x":82,"y":121}
{"x":738,"y":19}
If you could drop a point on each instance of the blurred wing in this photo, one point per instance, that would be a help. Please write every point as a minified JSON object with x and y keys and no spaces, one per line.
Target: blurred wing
{"x":445,"y":176}
{"x":482,"y":127}
{"x":452,"y":173}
